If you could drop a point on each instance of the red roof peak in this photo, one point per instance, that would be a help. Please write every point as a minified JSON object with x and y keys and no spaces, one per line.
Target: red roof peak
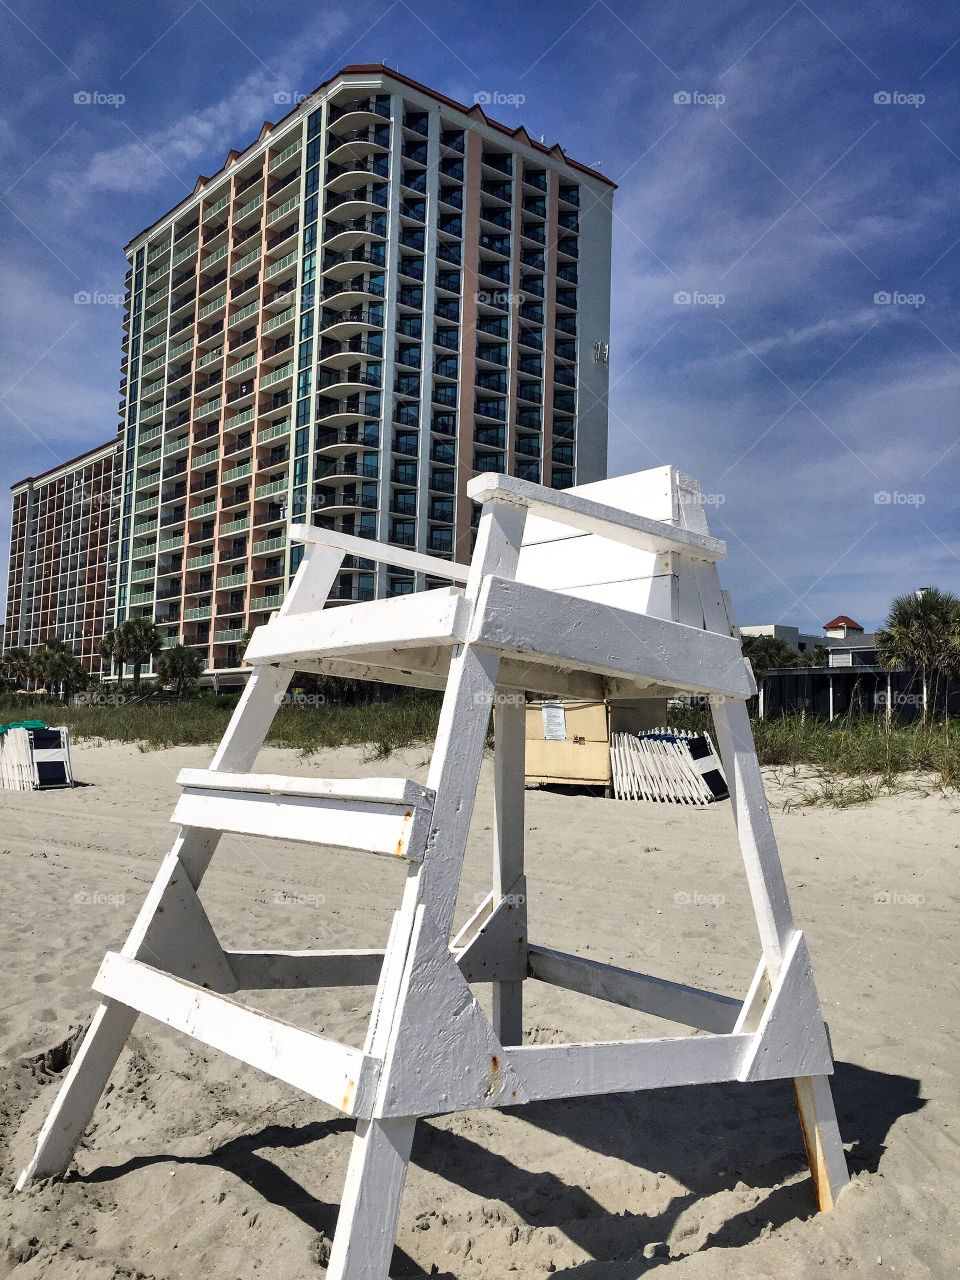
{"x":841,"y":620}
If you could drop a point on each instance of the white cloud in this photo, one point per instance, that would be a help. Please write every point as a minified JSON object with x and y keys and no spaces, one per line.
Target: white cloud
{"x":198,"y":141}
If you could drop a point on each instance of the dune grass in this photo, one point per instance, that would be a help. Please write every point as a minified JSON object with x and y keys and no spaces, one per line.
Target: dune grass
{"x":868,"y":748}
{"x":851,"y":761}
{"x":300,"y":725}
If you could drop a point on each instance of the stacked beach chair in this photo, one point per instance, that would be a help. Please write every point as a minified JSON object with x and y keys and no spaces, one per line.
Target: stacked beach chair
{"x":676,"y":766}
{"x":607,"y":590}
{"x":33,"y":756}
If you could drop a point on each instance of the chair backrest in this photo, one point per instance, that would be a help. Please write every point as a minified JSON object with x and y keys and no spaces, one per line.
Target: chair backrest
{"x":592,"y":567}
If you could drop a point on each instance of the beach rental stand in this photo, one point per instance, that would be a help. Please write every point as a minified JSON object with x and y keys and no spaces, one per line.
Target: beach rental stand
{"x":607,"y":590}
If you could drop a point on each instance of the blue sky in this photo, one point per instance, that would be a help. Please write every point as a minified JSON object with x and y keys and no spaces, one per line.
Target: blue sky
{"x":787,"y":166}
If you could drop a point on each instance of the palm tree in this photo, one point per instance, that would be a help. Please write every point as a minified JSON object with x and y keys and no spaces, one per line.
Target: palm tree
{"x":180,"y":666}
{"x":58,"y":666}
{"x":767,"y":653}
{"x":135,"y":641}
{"x":16,"y":665}
{"x":922,"y":633}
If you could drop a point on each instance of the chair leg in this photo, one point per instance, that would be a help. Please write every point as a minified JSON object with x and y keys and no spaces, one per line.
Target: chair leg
{"x":508,"y":836}
{"x":367,"y":1225}
{"x":80,"y":1092}
{"x":821,"y":1137}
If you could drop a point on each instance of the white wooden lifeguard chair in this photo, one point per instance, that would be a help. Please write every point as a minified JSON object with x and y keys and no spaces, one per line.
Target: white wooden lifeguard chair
{"x":606,"y":590}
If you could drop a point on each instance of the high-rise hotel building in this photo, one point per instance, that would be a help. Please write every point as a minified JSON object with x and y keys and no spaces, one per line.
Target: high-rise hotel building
{"x":384,"y":294}
{"x":61,"y":568}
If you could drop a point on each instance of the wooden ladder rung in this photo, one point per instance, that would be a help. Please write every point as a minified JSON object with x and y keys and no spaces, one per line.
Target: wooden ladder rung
{"x":335,"y":1073}
{"x":388,"y":816}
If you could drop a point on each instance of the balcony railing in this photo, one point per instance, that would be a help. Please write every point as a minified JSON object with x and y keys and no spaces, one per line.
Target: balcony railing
{"x":280,"y":265}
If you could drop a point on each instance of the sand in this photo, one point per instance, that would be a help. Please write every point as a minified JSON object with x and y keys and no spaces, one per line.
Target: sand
{"x":198,"y":1167}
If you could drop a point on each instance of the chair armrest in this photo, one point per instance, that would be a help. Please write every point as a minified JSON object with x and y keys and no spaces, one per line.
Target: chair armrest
{"x":588,"y":516}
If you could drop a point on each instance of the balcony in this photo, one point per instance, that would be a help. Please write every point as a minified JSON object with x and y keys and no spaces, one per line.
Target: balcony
{"x":344,"y":502}
{"x":275,"y":268}
{"x":237,"y":473}
{"x":235,"y":526}
{"x":210,"y":406}
{"x":291,"y":149}
{"x":345,"y":235}
{"x":232,"y":635}
{"x":363,"y":467}
{"x":266,"y":545}
{"x":273,"y":432}
{"x":273,"y":600}
{"x":171,"y":543}
{"x":247,"y":260}
{"x":363,"y":108}
{"x":246,"y":415}
{"x":202,"y":561}
{"x":271,"y":487}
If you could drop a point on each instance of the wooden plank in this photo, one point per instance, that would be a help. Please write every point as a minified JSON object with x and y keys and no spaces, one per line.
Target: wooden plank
{"x":381,"y":552}
{"x":80,"y":1092}
{"x":758,"y":844}
{"x":821,"y":1139}
{"x":289,"y":970}
{"x":398,"y":830}
{"x":581,"y":513}
{"x":335,"y":1073}
{"x":428,"y":668}
{"x":492,"y":946}
{"x":387,"y":791}
{"x":509,"y":887}
{"x":790,"y":1039}
{"x":622,"y":1066}
{"x":519,"y":619}
{"x":436,"y":617}
{"x":370,"y":1207}
{"x":443,"y":1055}
{"x":674,"y":1001}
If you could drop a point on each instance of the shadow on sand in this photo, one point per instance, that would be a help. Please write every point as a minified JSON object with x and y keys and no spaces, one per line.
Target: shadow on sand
{"x":709,"y":1139}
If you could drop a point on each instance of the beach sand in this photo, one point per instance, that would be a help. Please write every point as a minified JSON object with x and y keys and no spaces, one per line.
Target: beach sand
{"x":196,"y":1166}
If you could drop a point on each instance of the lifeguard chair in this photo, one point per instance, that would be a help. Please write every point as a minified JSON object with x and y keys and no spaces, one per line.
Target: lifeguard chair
{"x":606,"y":590}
